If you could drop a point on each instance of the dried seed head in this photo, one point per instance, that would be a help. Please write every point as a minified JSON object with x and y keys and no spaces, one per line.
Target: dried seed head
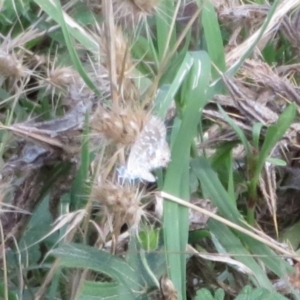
{"x":63,"y":77}
{"x":126,"y":87}
{"x":10,"y":66}
{"x":121,"y":46}
{"x":134,"y":10}
{"x":122,"y":127}
{"x":121,"y":203}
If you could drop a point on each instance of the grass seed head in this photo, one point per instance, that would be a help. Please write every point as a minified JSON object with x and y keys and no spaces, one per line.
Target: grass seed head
{"x":10,"y":66}
{"x":126,"y":87}
{"x":63,"y":77}
{"x":121,"y":47}
{"x":133,"y":11}
{"x":121,"y":127}
{"x":121,"y":203}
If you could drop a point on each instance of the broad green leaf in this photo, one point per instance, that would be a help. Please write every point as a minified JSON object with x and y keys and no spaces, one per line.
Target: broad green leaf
{"x":204,"y":294}
{"x":81,"y":256}
{"x":249,"y":293}
{"x":103,"y":291}
{"x":11,"y":295}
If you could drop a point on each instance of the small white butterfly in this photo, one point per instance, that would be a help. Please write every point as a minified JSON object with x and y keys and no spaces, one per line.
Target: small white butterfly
{"x":150,"y":151}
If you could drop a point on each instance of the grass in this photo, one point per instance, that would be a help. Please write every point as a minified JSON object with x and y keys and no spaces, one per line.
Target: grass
{"x":79,"y":84}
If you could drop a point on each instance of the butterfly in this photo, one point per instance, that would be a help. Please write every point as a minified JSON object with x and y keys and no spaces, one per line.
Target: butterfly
{"x":149,"y":152}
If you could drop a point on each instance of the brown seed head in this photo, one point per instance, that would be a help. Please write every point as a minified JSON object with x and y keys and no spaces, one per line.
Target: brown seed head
{"x":122,"y":126}
{"x":63,"y":77}
{"x":121,"y":203}
{"x":134,"y":10}
{"x":126,"y":87}
{"x":10,"y":66}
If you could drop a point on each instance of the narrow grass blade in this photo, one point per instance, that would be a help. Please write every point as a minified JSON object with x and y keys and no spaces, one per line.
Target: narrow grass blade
{"x":234,"y":246}
{"x":79,"y":188}
{"x":164,"y":29}
{"x":74,"y":28}
{"x":237,"y":129}
{"x":273,"y":135}
{"x":175,"y":218}
{"x":218,"y":85}
{"x":213,"y":37}
{"x":167,"y":93}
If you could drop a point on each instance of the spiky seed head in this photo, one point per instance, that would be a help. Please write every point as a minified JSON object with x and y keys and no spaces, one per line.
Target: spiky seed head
{"x":133,"y":11}
{"x":120,"y":202}
{"x":63,"y":77}
{"x":10,"y":66}
{"x":121,"y":126}
{"x":127,"y":89}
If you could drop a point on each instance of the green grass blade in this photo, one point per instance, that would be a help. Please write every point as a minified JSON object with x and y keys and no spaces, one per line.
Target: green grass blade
{"x":218,"y":85}
{"x":102,"y":291}
{"x":237,"y":130}
{"x":80,"y":189}
{"x":167,"y":93}
{"x":164,"y":29}
{"x":213,"y":38}
{"x":273,"y":135}
{"x":175,"y":217}
{"x":213,"y":189}
{"x":82,"y":256}
{"x":233,"y":69}
{"x":74,"y":28}
{"x":234,"y":246}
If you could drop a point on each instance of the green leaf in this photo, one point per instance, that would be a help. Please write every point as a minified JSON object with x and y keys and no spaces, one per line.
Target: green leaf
{"x":149,"y":238}
{"x":204,"y":294}
{"x":213,"y":38}
{"x":164,"y":28}
{"x":177,"y":176}
{"x":248,"y":293}
{"x":214,"y":190}
{"x":102,"y":290}
{"x":82,"y":256}
{"x":237,"y":130}
{"x":11,"y":295}
{"x":167,"y":93}
{"x":273,"y":135}
{"x":256,"y":130}
{"x":74,"y":28}
{"x":276,"y":161}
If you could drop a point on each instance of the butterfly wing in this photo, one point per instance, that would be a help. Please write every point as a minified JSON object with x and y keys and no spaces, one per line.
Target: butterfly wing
{"x":150,"y":150}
